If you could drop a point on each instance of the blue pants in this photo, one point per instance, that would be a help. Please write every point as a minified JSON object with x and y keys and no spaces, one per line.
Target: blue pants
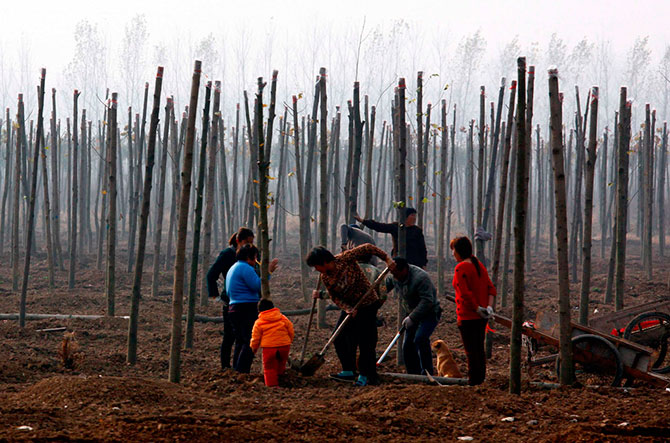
{"x":416,"y":346}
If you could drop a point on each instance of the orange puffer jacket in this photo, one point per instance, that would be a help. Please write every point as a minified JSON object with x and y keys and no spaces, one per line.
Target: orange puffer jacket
{"x":271,"y":330}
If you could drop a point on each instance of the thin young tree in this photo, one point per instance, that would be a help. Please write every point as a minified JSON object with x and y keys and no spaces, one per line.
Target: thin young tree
{"x":75,"y":196}
{"x":112,"y":140}
{"x":556,"y":122}
{"x":588,"y":210}
{"x":55,"y":187}
{"x":197,"y":223}
{"x":18,"y":170}
{"x":184,"y":200}
{"x":323,"y":174}
{"x":31,"y":202}
{"x":144,"y":221}
{"x":158,"y":233}
{"x":622,"y":197}
{"x":443,"y":200}
{"x":663,"y":154}
{"x":519,"y":232}
{"x":47,"y":206}
{"x":209,"y":191}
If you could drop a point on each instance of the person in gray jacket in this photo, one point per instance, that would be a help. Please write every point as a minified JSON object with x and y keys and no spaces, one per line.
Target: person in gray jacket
{"x":353,"y":236}
{"x":417,"y":292}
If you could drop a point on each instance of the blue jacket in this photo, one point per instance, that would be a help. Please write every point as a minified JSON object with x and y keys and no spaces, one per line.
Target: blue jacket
{"x":243,"y":285}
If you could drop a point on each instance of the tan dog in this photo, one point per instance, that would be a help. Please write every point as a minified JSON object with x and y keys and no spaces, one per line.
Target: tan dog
{"x":446,"y":366}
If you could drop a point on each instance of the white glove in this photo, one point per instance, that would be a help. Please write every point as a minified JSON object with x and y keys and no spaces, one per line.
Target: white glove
{"x":407,"y":322}
{"x":485,"y":313}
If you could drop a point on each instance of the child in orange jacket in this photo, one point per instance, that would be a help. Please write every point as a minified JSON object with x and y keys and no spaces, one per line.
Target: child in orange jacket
{"x":274,"y":333}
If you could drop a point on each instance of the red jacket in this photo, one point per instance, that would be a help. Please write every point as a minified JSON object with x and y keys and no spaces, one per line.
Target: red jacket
{"x":271,"y":330}
{"x":472,"y":290}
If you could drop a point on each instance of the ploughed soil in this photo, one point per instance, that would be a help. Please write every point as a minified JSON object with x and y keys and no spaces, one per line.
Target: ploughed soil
{"x":104,"y":398}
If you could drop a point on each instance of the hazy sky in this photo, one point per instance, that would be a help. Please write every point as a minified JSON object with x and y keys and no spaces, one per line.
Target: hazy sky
{"x":47,"y":26}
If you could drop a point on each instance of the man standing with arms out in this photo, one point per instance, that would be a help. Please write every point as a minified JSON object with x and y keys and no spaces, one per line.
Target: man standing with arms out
{"x":416,"y":244}
{"x":418,"y":294}
{"x":346,"y":284}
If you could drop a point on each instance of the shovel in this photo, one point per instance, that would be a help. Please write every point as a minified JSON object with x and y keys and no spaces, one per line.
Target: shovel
{"x":390,"y":346}
{"x":309,"y":325}
{"x":317,"y":360}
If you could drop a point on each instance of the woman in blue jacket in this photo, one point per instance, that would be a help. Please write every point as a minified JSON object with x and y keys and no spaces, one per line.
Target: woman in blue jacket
{"x":243,"y":286}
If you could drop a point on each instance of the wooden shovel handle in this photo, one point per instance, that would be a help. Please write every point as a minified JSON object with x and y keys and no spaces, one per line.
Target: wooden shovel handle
{"x":309,"y":324}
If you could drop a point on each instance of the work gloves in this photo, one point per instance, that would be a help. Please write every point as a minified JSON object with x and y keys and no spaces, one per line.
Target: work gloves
{"x":485,"y":312}
{"x":407,"y":322}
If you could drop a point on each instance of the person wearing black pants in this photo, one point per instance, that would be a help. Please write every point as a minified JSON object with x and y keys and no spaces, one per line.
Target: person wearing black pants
{"x":242,"y":319}
{"x":243,"y":286}
{"x":220,"y":267}
{"x":472,"y":334}
{"x":419,"y":298}
{"x":360,"y":332}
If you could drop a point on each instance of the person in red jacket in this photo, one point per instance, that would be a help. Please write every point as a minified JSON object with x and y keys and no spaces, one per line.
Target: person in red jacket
{"x":474,"y":300}
{"x":274,"y":333}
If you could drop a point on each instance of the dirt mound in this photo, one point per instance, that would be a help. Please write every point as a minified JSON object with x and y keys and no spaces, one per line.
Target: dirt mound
{"x":72,"y":391}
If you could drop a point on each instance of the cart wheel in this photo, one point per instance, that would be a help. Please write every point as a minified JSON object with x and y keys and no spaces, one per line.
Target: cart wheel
{"x":597,"y":361}
{"x":652,"y":329}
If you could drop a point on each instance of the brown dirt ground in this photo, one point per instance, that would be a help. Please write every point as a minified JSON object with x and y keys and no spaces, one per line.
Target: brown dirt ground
{"x":103,"y":398}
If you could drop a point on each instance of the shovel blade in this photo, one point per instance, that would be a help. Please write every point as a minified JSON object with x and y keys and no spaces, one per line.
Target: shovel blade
{"x":312,"y":365}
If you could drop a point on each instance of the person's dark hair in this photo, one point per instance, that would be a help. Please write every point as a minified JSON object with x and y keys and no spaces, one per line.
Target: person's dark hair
{"x":409,"y":211}
{"x":319,"y":256}
{"x":463,"y":246}
{"x":247,"y":252}
{"x":242,"y":234}
{"x":265,"y":305}
{"x":401,"y":263}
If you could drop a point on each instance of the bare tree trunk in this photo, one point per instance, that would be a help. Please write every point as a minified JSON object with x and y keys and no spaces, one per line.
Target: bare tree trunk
{"x":369,"y":210}
{"x":452,"y":154}
{"x":401,"y":194}
{"x":565,"y":348}
{"x":144,"y":219}
{"x":661,"y":190}
{"x":519,"y":232}
{"x":112,"y":215}
{"x":184,"y":200}
{"x":490,"y":183}
{"x":18,"y":170}
{"x":138,"y":179}
{"x":195,"y":252}
{"x":75,"y":197}
{"x":470,"y":183}
{"x":279,"y":194}
{"x":648,"y":192}
{"x":420,"y":160}
{"x":443,"y":200}
{"x":209,"y":203}
{"x":40,"y":143}
{"x":498,"y":236}
{"x":356,"y":159}
{"x":158,"y":234}
{"x":529,"y":163}
{"x":323,"y":175}
{"x":335,"y":207}
{"x":8,"y":179}
{"x":588,"y":210}
{"x":264,"y":155}
{"x":603,"y":194}
{"x":481,"y":157}
{"x":33,"y":198}
{"x":622,"y":198}
{"x":303,"y":212}
{"x":55,"y":188}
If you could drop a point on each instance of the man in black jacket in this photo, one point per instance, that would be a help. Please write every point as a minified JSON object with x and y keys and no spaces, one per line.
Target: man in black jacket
{"x":419,"y":297}
{"x":416,"y":244}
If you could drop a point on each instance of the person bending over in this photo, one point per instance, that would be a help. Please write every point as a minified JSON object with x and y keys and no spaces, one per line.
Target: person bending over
{"x":346,"y":284}
{"x":417,"y":292}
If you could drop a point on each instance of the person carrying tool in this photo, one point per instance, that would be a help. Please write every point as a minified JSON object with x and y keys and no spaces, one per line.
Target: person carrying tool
{"x":417,"y":292}
{"x":274,"y":333}
{"x":243,"y":286}
{"x":346,"y":284}
{"x":417,"y":254}
{"x":474,"y":300}
{"x":221,"y":265}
